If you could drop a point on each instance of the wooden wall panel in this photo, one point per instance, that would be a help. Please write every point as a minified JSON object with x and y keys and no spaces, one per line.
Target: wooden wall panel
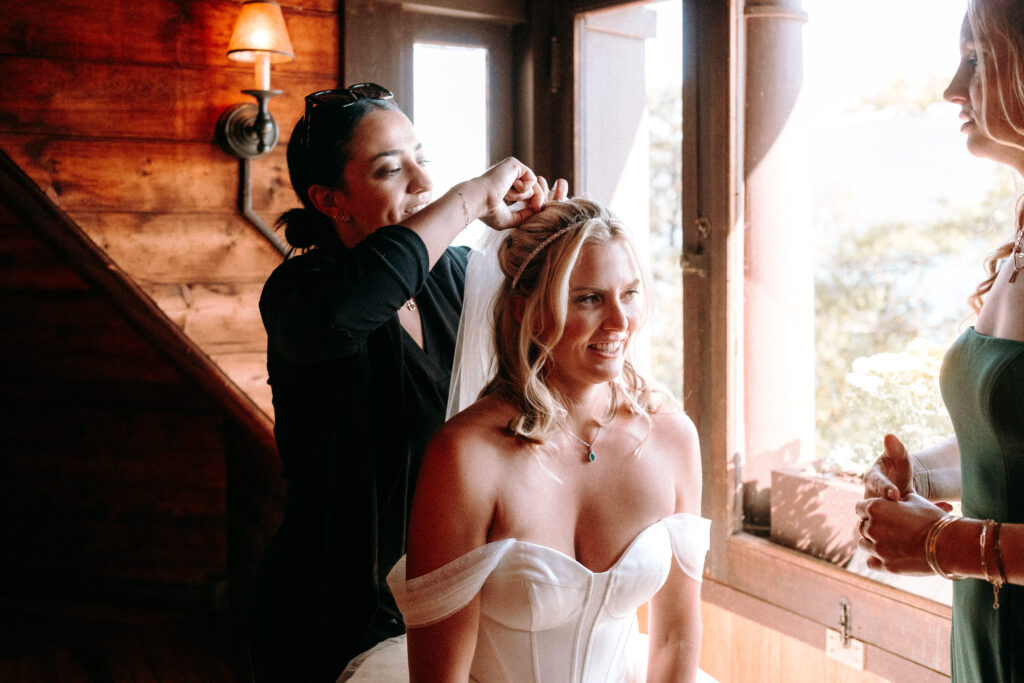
{"x":158,"y":102}
{"x":97,"y":483}
{"x":138,"y":450}
{"x":170,"y":248}
{"x":249,"y":372}
{"x":738,"y":650}
{"x":112,"y":107}
{"x":26,"y":264}
{"x":151,"y":177}
{"x":158,"y":31}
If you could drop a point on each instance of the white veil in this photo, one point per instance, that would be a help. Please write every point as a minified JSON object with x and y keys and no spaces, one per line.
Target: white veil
{"x":474,"y":363}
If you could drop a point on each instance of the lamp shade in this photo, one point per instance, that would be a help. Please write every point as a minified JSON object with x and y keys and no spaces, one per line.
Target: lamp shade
{"x":260,"y":33}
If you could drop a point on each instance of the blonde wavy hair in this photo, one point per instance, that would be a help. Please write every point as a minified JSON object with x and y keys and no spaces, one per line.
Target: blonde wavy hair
{"x":530,"y":313}
{"x":998,"y":30}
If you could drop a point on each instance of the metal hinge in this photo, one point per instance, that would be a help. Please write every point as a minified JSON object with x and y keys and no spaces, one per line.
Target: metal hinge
{"x":695,"y":262}
{"x":845,"y":621}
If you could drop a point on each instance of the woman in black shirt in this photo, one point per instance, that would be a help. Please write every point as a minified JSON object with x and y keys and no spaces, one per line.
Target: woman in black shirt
{"x":361,"y":332}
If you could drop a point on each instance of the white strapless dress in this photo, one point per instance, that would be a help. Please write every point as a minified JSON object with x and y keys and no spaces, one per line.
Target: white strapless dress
{"x":544,"y":617}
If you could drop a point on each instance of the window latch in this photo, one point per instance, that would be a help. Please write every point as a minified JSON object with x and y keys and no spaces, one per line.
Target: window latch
{"x":695,"y":261}
{"x":845,"y":621}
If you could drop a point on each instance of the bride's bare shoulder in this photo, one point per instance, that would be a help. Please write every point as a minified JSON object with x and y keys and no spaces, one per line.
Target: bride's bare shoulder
{"x":479,"y":434}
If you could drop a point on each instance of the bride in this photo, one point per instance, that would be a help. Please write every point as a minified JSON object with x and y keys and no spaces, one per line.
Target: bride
{"x":563,"y":499}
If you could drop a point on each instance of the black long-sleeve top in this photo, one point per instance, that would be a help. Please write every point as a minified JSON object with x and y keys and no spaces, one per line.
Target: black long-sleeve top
{"x":356,"y":401}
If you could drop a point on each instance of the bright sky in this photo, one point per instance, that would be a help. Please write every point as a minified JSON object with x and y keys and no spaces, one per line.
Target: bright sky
{"x":862,"y":46}
{"x":858,"y":46}
{"x":856,"y":50}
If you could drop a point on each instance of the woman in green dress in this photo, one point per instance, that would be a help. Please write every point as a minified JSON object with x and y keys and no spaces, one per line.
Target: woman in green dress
{"x":905,"y":523}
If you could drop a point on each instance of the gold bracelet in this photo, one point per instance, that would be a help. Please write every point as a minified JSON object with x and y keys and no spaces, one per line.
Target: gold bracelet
{"x":998,"y":582}
{"x":465,"y":210}
{"x":931,"y":540}
{"x":984,"y":550}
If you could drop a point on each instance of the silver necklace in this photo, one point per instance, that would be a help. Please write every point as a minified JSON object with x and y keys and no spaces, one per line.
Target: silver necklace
{"x":591,"y":455}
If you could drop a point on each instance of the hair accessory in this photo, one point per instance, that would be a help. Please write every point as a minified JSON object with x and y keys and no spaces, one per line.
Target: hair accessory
{"x":537,"y":250}
{"x":930,"y":542}
{"x":591,"y":455}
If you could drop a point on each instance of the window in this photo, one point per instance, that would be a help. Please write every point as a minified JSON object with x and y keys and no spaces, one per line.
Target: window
{"x":901,"y":214}
{"x":717,"y":213}
{"x":751,"y":215}
{"x":455,"y":138}
{"x":628,"y":122}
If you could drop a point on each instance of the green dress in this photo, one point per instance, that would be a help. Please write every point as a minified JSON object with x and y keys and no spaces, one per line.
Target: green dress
{"x":983,"y":387}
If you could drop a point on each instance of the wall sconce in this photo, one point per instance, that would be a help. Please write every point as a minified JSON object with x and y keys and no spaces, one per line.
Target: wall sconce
{"x":260,"y":37}
{"x":247,"y":130}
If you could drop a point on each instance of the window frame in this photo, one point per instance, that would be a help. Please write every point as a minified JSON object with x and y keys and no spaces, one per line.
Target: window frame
{"x":490,"y":24}
{"x":905,"y":636}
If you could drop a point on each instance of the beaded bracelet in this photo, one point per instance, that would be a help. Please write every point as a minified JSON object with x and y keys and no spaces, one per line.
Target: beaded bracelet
{"x":930,"y":541}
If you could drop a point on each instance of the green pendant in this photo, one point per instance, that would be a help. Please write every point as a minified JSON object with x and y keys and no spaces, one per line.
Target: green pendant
{"x":593,"y":456}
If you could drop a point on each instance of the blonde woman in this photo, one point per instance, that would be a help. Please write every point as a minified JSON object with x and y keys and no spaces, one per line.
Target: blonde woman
{"x":983,"y":387}
{"x":548,"y":511}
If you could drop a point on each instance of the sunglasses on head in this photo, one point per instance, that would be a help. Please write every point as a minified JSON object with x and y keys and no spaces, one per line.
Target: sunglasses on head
{"x":340,"y":98}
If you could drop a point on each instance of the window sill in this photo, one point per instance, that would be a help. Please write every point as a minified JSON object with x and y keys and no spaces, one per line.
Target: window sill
{"x":906,"y":636}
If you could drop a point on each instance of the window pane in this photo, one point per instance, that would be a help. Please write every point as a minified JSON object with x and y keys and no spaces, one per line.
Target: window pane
{"x":450,"y":111}
{"x":901,"y":217}
{"x":902,"y":214}
{"x":629,"y":118}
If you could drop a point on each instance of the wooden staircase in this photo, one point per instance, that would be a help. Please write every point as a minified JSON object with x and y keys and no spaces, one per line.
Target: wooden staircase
{"x":139,"y":483}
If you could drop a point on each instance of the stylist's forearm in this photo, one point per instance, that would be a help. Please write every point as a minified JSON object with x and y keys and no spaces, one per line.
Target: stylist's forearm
{"x":441,"y":222}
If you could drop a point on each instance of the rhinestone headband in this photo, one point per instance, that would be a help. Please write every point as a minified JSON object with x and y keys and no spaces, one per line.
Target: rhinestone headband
{"x":540,"y":247}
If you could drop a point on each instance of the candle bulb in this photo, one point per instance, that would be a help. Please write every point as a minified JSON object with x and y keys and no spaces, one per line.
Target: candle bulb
{"x":263,"y":71}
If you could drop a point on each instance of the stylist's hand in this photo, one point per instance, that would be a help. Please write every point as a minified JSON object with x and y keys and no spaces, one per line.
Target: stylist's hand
{"x":514,"y":193}
{"x":893,"y":533}
{"x":557,"y":192}
{"x":892,"y":474}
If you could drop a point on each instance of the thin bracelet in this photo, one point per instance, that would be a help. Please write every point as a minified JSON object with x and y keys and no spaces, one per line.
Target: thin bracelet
{"x":981,"y":542}
{"x":930,"y":542}
{"x":1001,"y":579}
{"x":465,"y":210}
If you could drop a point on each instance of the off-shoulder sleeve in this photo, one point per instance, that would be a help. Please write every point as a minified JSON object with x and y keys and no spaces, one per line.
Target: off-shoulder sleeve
{"x":435,"y":596}
{"x":690,"y":536}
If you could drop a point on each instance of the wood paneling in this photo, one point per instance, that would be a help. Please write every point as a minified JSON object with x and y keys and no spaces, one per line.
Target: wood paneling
{"x":900,"y":627}
{"x":207,"y":315}
{"x":164,"y":249}
{"x":93,"y":484}
{"x":153,"y":102}
{"x":249,"y":371}
{"x":158,"y":32}
{"x":738,"y":650}
{"x":111,"y":108}
{"x":115,"y":428}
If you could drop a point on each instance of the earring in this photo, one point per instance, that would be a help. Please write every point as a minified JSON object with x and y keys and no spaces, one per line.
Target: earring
{"x":342,"y":218}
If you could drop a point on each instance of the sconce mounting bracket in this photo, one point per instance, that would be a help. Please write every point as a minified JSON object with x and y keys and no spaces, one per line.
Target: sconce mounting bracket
{"x":246,"y":130}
